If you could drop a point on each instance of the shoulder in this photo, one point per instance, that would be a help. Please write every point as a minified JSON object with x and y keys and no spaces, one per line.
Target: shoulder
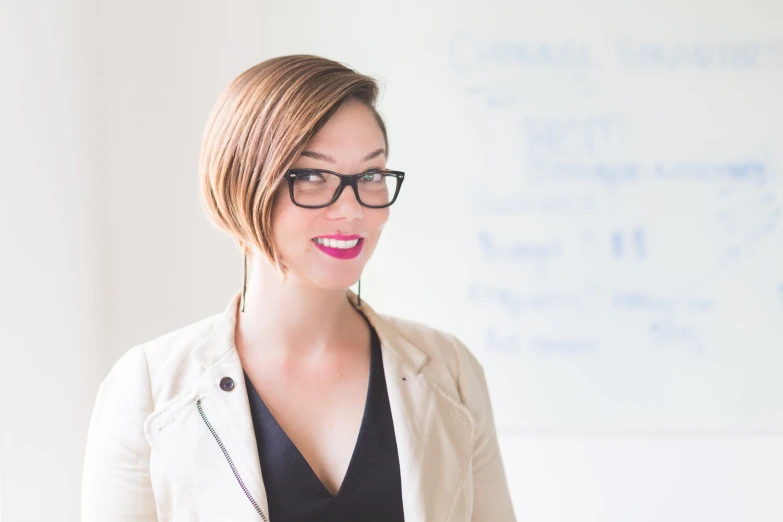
{"x":162,"y":364}
{"x":175,"y":346}
{"x":452,"y":368}
{"x":451,"y":364}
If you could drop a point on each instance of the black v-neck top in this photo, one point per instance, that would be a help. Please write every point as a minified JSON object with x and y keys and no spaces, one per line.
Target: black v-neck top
{"x":371,"y":487}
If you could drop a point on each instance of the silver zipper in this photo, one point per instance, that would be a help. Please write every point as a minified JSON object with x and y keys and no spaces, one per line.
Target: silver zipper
{"x":230,"y":462}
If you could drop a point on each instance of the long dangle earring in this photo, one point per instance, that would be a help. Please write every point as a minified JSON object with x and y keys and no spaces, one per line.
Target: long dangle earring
{"x":244,"y":284}
{"x":360,"y":291}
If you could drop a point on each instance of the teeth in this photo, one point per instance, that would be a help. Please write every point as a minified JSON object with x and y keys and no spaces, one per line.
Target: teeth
{"x":336,"y":243}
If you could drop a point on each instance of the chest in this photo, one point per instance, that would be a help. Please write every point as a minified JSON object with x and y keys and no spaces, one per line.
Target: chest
{"x":319,"y":410}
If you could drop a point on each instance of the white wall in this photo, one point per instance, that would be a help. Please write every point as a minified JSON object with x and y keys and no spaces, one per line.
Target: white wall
{"x":166,"y":63}
{"x":103,"y":243}
{"x":645,"y":479}
{"x":50,"y":272}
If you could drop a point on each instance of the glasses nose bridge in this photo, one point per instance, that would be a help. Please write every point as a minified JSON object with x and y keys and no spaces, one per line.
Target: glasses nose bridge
{"x":348,"y":181}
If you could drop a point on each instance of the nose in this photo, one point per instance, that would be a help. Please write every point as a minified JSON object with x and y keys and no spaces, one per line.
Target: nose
{"x":346,"y":206}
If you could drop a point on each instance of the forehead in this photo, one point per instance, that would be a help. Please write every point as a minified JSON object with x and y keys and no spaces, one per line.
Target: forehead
{"x":350,"y":134}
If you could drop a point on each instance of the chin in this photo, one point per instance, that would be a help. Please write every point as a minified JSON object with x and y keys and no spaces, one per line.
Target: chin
{"x":338,"y":283}
{"x":332,"y":279}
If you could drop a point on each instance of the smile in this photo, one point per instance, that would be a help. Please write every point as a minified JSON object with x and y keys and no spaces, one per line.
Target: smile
{"x":340,"y":248}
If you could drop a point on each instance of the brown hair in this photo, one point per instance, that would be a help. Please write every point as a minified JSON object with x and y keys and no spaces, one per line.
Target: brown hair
{"x":258,"y":127}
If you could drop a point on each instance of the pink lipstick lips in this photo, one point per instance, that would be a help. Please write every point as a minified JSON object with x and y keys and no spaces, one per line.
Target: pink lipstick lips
{"x":336,"y":246}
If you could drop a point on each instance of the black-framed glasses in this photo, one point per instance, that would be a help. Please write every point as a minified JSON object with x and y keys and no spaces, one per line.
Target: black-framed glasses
{"x":318,"y":188}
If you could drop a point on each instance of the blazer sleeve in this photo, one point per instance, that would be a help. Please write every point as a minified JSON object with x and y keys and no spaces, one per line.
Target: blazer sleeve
{"x":116,"y":482}
{"x":491,"y":496}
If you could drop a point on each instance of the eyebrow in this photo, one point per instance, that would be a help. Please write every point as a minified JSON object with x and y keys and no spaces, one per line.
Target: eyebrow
{"x":327,"y":158}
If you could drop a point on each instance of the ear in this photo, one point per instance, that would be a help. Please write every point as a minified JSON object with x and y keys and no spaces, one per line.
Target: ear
{"x":244,"y":249}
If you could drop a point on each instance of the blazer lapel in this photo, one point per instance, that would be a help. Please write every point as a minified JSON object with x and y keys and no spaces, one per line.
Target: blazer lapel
{"x":205,"y":440}
{"x":434,"y":430}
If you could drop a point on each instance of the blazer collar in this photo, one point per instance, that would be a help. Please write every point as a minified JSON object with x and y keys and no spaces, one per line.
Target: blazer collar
{"x":221,"y":340}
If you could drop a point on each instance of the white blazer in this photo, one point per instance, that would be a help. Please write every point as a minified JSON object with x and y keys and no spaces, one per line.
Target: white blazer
{"x":166,"y":443}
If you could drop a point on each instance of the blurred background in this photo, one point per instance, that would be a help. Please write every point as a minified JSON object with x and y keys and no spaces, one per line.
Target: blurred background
{"x":592,"y":204}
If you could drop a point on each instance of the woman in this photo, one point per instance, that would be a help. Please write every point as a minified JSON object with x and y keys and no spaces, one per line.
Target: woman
{"x":299,"y":402}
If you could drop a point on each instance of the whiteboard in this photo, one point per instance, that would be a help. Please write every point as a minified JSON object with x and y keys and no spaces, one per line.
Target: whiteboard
{"x":592,"y":202}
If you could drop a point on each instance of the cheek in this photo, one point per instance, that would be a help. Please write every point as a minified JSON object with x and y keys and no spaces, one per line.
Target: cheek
{"x":286,"y":222}
{"x":378,"y":218}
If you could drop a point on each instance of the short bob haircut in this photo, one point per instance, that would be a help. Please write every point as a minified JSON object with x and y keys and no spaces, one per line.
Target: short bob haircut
{"x":259,"y":125}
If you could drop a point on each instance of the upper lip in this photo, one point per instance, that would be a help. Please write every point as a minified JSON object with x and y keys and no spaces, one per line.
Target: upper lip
{"x":339,"y":237}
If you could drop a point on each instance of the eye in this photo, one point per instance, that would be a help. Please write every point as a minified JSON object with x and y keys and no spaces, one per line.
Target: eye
{"x":372,"y":176}
{"x":310,"y":177}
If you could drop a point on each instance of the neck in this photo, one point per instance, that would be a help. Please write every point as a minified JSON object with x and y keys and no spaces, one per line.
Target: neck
{"x":292,"y":320}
